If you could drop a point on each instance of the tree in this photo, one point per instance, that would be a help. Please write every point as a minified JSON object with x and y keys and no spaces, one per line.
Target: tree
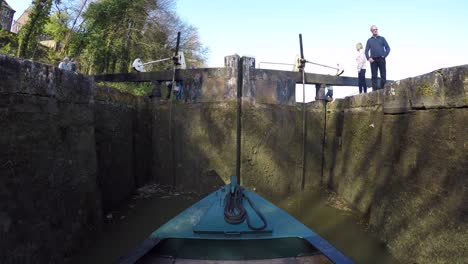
{"x":107,"y":35}
{"x":117,"y":31}
{"x":30,"y":33}
{"x":73,"y":10}
{"x":56,"y":28}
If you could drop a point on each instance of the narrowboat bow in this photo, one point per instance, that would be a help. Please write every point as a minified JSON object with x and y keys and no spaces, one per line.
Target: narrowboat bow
{"x":234,"y":225}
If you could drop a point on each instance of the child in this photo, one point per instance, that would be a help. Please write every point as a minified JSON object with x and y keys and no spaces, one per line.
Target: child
{"x":361,"y":68}
{"x":64,"y":64}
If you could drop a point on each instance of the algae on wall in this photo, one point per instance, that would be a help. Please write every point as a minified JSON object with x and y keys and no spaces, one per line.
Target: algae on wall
{"x":202,"y":136}
{"x":422,"y":202}
{"x":271,"y":140}
{"x":50,"y":201}
{"x":352,"y":148}
{"x":399,"y":155}
{"x":123,"y":140}
{"x":408,"y":172}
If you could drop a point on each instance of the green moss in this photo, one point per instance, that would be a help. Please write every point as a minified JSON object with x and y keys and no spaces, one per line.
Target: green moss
{"x":138,"y":89}
{"x":8,"y":43}
{"x":425,"y":90}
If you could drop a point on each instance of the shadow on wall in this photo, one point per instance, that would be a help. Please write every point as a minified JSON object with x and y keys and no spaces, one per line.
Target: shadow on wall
{"x":424,"y":179}
{"x":402,"y":162}
{"x":204,"y":139}
{"x":380,"y":147}
{"x":203,"y":145}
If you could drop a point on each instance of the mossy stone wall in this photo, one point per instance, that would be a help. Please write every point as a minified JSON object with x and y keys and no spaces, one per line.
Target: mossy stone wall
{"x":202,"y":136}
{"x":50,"y":202}
{"x":68,"y":149}
{"x":400,"y":156}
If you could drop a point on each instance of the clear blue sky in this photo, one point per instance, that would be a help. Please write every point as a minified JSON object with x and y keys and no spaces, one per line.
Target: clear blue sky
{"x":423,"y":35}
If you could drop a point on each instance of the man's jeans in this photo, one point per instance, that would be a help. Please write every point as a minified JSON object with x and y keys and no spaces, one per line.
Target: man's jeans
{"x":378,"y":64}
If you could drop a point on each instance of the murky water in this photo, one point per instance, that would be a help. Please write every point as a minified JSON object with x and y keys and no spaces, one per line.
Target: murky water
{"x":129,"y":226}
{"x":330,"y":217}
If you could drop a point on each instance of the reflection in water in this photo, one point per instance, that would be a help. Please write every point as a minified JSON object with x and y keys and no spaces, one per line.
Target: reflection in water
{"x":139,"y":218}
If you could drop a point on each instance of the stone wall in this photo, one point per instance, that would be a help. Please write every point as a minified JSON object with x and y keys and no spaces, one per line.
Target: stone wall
{"x":400,"y":156}
{"x":123,"y":144}
{"x":202,"y":137}
{"x":353,"y":147}
{"x":69,"y":153}
{"x":272,"y":138}
{"x":49,"y":199}
{"x":397,"y":155}
{"x":204,"y":145}
{"x":70,"y":150}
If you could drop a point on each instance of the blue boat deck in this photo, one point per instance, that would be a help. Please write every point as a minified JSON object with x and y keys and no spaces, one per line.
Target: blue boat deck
{"x":201,"y":233}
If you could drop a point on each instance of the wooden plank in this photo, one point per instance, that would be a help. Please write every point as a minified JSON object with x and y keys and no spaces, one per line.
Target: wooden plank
{"x":137,"y":77}
{"x":161,"y":75}
{"x":311,"y":78}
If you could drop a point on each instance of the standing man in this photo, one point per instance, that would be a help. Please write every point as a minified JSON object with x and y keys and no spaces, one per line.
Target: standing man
{"x":72,"y":65}
{"x":379,"y":50}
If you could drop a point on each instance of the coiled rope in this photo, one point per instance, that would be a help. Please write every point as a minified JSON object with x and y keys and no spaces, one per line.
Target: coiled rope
{"x":234,"y":211}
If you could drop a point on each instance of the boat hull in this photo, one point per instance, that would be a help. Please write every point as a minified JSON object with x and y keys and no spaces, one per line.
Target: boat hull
{"x":200,"y":234}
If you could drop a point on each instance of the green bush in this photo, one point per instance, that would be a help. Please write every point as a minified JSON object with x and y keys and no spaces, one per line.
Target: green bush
{"x":8,"y":42}
{"x":138,"y":89}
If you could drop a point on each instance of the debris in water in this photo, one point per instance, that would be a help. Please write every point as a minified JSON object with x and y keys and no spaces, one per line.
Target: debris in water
{"x":157,"y":190}
{"x":335,"y":201}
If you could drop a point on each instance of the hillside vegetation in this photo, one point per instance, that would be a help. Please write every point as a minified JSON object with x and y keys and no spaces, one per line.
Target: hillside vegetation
{"x":104,"y":36}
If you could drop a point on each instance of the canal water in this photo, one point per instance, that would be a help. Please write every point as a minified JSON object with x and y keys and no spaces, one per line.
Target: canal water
{"x":331,"y":218}
{"x":154,"y":205}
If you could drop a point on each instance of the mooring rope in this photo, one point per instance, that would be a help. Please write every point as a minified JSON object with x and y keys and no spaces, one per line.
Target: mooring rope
{"x":234,"y":211}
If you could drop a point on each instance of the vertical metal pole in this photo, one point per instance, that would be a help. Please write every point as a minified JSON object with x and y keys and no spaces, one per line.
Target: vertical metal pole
{"x":324,"y":140}
{"x":300,"y":43}
{"x":304,"y":129}
{"x":304,"y":132}
{"x":171,"y":139}
{"x":240,"y":81}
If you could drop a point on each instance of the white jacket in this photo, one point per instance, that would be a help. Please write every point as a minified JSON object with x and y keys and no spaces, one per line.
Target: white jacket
{"x":361,"y":60}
